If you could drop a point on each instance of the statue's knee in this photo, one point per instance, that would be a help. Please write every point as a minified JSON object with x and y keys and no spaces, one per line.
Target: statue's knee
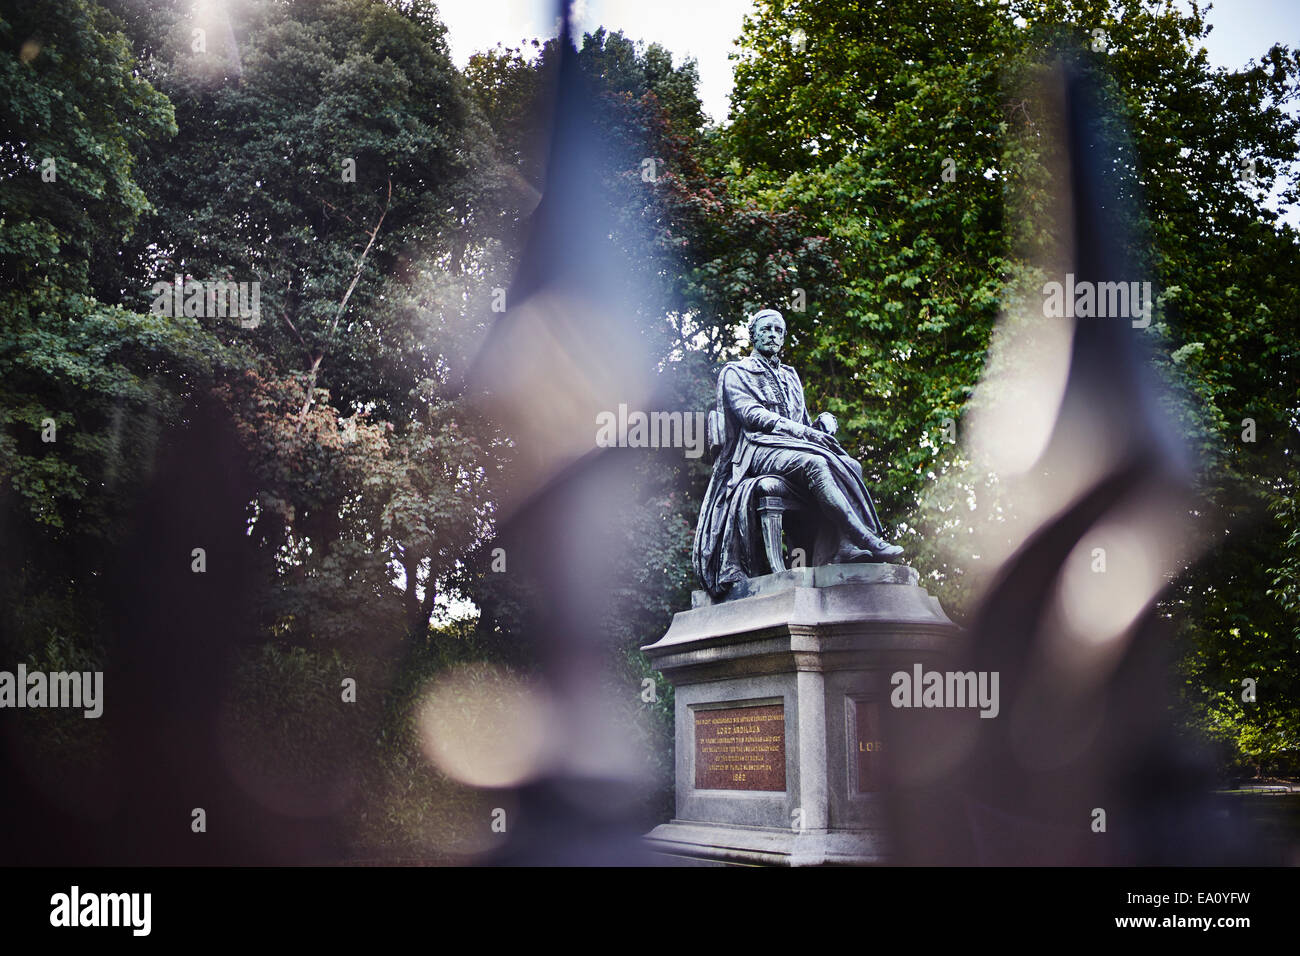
{"x":817,"y":470}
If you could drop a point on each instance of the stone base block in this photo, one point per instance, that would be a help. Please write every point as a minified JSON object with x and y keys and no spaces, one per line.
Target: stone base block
{"x":777,"y":724}
{"x":758,"y":846}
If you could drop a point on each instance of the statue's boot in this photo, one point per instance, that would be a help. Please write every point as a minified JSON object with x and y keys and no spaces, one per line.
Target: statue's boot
{"x":877,"y":550}
{"x":851,"y":555}
{"x":883,"y":549}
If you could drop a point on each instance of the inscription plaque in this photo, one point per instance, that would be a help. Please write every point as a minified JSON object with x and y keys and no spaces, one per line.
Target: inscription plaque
{"x":869,"y":745}
{"x":740,"y":748}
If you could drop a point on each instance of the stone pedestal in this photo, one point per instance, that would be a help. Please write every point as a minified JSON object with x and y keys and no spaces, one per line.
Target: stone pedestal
{"x":778,"y":698}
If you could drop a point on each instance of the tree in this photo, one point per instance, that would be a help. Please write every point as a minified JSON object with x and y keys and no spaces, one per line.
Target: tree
{"x":86,"y":386}
{"x":330,"y":153}
{"x":697,"y":262}
{"x":905,"y":133}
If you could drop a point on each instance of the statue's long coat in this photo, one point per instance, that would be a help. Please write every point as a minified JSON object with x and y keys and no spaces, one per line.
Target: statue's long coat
{"x":759,"y":406}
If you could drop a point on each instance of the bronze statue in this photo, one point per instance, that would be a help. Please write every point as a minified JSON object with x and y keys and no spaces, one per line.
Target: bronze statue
{"x":776,"y":470}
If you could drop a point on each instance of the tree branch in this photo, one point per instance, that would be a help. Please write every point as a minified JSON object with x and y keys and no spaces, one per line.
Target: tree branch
{"x":338,"y":315}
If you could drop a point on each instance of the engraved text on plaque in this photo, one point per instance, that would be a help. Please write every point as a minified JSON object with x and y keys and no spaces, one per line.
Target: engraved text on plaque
{"x":741,"y":748}
{"x":870,"y":746}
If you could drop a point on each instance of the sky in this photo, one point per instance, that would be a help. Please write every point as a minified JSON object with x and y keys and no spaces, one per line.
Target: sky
{"x":703,"y":29}
{"x":707,"y":30}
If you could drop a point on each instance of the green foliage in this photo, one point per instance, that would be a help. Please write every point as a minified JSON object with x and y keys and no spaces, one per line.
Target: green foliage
{"x":288,"y":723}
{"x":854,"y":131}
{"x":73,"y":112}
{"x":72,"y":95}
{"x":370,"y":295}
{"x":86,"y":386}
{"x":882,"y":183}
{"x":408,"y":804}
{"x":330,"y":152}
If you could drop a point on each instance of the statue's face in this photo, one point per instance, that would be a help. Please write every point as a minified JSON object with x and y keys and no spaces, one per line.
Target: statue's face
{"x":769,"y":336}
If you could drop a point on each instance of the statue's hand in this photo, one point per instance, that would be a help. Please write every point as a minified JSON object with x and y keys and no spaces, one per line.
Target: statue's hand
{"x":827,"y":423}
{"x":816,"y":436}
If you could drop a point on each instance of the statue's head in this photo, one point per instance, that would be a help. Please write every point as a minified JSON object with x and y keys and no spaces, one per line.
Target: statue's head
{"x":767,"y":332}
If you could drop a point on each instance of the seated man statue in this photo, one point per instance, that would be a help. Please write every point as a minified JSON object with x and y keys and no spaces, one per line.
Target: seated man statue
{"x":766,"y":434}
